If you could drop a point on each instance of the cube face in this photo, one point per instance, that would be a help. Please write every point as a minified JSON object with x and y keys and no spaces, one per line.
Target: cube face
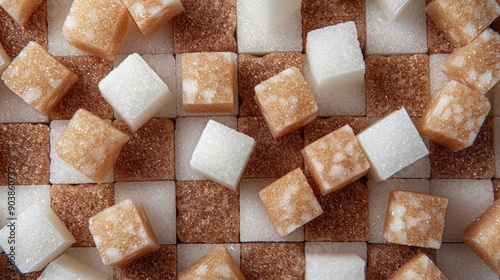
{"x":290,"y":202}
{"x":286,"y":102}
{"x":66,"y":266}
{"x":343,"y":69}
{"x":477,"y":63}
{"x":95,"y":156}
{"x":334,"y":266}
{"x":20,"y":11}
{"x":188,"y":254}
{"x":208,"y":82}
{"x":454,"y":116}
{"x":420,"y":266}
{"x":150,"y":15}
{"x":40,"y":84}
{"x":336,"y":160}
{"x":122,"y":233}
{"x":82,"y":31}
{"x":436,"y":39}
{"x":160,"y":263}
{"x":407,"y":214}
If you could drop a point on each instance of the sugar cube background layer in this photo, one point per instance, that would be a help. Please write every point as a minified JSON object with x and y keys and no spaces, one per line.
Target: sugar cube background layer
{"x":90,"y":256}
{"x":13,"y":109}
{"x":65,"y":267}
{"x":25,"y":197}
{"x":457,"y":261}
{"x":437,"y":78}
{"x":393,"y":8}
{"x":334,"y":266}
{"x":358,"y":248}
{"x":163,"y":261}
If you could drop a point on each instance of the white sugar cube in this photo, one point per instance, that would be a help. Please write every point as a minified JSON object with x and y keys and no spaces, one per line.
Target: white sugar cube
{"x":159,"y":42}
{"x":271,"y":13}
{"x":255,"y":224}
{"x":158,"y":199}
{"x":393,"y":8}
{"x":334,"y":266}
{"x":14,"y":109}
{"x":406,"y":34}
{"x":187,"y":254}
{"x":334,"y":56}
{"x":67,"y":267}
{"x":358,"y":248}
{"x":437,"y":78}
{"x":392,"y":144}
{"x":473,"y":195}
{"x":222,"y":154}
{"x":135,"y":91}
{"x":496,"y":145}
{"x":25,"y":196}
{"x":458,"y":262}
{"x":4,"y":59}
{"x":39,"y":238}
{"x":90,"y":256}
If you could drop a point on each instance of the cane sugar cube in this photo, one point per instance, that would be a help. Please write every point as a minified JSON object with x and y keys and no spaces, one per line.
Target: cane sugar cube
{"x":290,"y":202}
{"x":146,"y":92}
{"x":160,"y":264}
{"x":188,"y":254}
{"x":437,"y":78}
{"x":436,"y":39}
{"x":151,"y":15}
{"x":122,"y":233}
{"x":41,"y":84}
{"x":393,"y":8}
{"x":418,"y":267}
{"x":286,"y":102}
{"x":67,"y":267}
{"x":477,"y":64}
{"x":482,"y":237}
{"x":415,"y":219}
{"x":334,"y":266}
{"x":20,"y":10}
{"x":346,"y":67}
{"x":39,"y":238}
{"x":458,"y":261}
{"x":90,"y":27}
{"x":454,"y":116}
{"x":4,"y":59}
{"x":208,"y":82}
{"x":336,"y":160}
{"x":391,"y":144}
{"x":222,"y":154}
{"x":463,"y":20}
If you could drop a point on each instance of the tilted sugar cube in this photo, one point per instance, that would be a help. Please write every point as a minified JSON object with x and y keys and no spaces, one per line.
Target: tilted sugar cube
{"x":286,"y":102}
{"x":334,"y":266}
{"x":67,"y":267}
{"x":393,"y":8}
{"x":415,"y":219}
{"x":146,"y":93}
{"x":38,"y":78}
{"x":477,"y":64}
{"x":335,"y":56}
{"x":20,"y":10}
{"x":462,"y":20}
{"x":336,"y":160}
{"x":4,"y":59}
{"x":39,"y":237}
{"x":96,"y":26}
{"x":122,"y":233}
{"x":152,"y":15}
{"x":418,"y":267}
{"x":290,"y":202}
{"x":90,"y":145}
{"x":454,"y":116}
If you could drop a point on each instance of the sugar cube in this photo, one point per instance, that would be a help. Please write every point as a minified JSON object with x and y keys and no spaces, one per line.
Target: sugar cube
{"x":39,"y":238}
{"x":335,"y":56}
{"x":358,"y":248}
{"x":26,"y":195}
{"x":13,"y":109}
{"x":458,"y":261}
{"x":286,"y":102}
{"x":90,"y":256}
{"x":151,"y":15}
{"x":20,"y":10}
{"x":436,"y":39}
{"x":393,"y":8}
{"x":41,"y":84}
{"x":290,"y":202}
{"x":334,"y":266}
{"x":222,"y":154}
{"x":420,"y":266}
{"x":437,"y":78}
{"x":161,"y":42}
{"x":67,"y":267}
{"x":95,"y":156}
{"x":4,"y":59}
{"x":122,"y":233}
{"x":90,"y":27}
{"x":146,"y":92}
{"x":271,"y":13}
{"x":160,"y":264}
{"x":188,"y":254}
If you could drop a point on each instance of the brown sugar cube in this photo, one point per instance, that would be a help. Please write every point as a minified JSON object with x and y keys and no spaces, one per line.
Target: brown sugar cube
{"x":25,"y":148}
{"x":10,"y":271}
{"x":122,"y":233}
{"x":483,"y":237}
{"x":208,"y":82}
{"x":477,"y":64}
{"x":336,"y":160}
{"x":290,"y":202}
{"x":454,"y":116}
{"x":90,"y":145}
{"x":216,"y":264}
{"x":85,"y":93}
{"x":286,"y":102}
{"x":20,"y":10}
{"x":436,"y":40}
{"x":151,"y":15}
{"x":207,"y":212}
{"x":419,"y":267}
{"x":76,"y":204}
{"x":273,"y":260}
{"x":149,"y":154}
{"x":90,"y":27}
{"x":415,"y":219}
{"x":38,"y":78}
{"x":205,"y":26}
{"x":462,"y":20}
{"x":397,"y":81}
{"x":271,"y":158}
{"x":160,"y":264}
{"x":345,"y":216}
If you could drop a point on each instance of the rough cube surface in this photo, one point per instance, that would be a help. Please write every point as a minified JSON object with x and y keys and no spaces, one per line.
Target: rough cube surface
{"x":160,"y":264}
{"x":20,"y":10}
{"x":334,"y":266}
{"x":67,"y":267}
{"x":393,"y":8}
{"x":122,"y":233}
{"x":407,"y":214}
{"x":290,"y":202}
{"x":152,"y":15}
{"x":41,"y":84}
{"x":419,"y":267}
{"x":436,"y":39}
{"x":286,"y":102}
